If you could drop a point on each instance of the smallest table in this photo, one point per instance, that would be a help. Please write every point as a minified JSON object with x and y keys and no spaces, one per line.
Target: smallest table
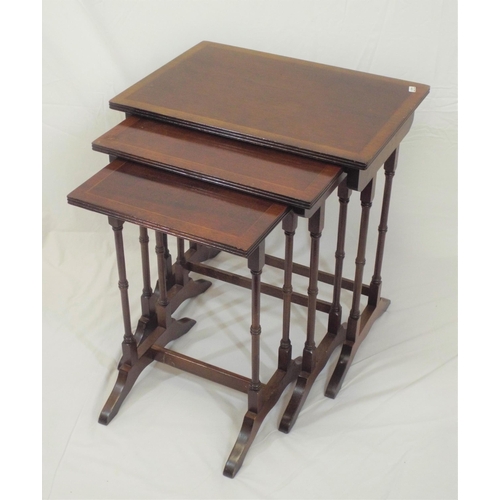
{"x":217,"y":219}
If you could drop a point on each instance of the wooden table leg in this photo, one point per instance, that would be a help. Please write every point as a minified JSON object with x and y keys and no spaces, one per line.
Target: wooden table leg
{"x":168,"y":263}
{"x":376,"y":282}
{"x":285,"y":349}
{"x":335,"y":316}
{"x":307,"y":374}
{"x":353,"y":323}
{"x":129,"y":344}
{"x":175,"y":294}
{"x":147,"y":291}
{"x":180,"y":286}
{"x":251,"y":423}
{"x":135,"y":358}
{"x":357,"y":324}
{"x":147,"y":322}
{"x":261,"y":398}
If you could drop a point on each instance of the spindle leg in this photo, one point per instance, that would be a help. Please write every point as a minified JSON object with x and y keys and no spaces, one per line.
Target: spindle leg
{"x":168,"y":263}
{"x":255,"y":263}
{"x":306,"y":376}
{"x":285,"y":349}
{"x":376,"y":283}
{"x":136,"y":358}
{"x":183,"y":287}
{"x":161,"y":305}
{"x":261,"y":397}
{"x":251,"y":422}
{"x":173,"y":328}
{"x":129,"y":344}
{"x":353,"y":341}
{"x":147,"y":321}
{"x":147,"y":291}
{"x":335,"y":317}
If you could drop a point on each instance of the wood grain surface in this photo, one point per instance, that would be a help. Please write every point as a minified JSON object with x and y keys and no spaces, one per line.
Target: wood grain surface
{"x":320,"y":111}
{"x":201,"y":212}
{"x":283,"y":177}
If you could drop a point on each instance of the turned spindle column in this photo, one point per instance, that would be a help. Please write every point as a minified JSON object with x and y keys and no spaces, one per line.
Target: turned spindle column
{"x":261,"y":397}
{"x":353,"y":338}
{"x":255,"y":264}
{"x":168,"y":263}
{"x":316,"y":224}
{"x":146,"y":273}
{"x":335,"y":317}
{"x":285,"y":349}
{"x":311,"y":362}
{"x":353,"y":322}
{"x":376,"y":283}
{"x":129,"y":344}
{"x":162,"y":280}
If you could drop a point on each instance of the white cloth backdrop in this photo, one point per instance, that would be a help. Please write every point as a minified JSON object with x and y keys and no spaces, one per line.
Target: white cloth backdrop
{"x":391,"y":432}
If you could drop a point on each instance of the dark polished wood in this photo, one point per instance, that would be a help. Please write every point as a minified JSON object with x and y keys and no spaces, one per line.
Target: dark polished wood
{"x":335,"y":317}
{"x":129,"y":344}
{"x":356,"y":321}
{"x":285,"y":349}
{"x":147,"y":291}
{"x":245,"y":282}
{"x":270,"y":394}
{"x":366,"y":203}
{"x":172,"y":204}
{"x":303,"y":107}
{"x":200,"y":368}
{"x":261,"y":398}
{"x":316,"y":225}
{"x":351,"y":118}
{"x":282,"y":177}
{"x":323,"y":276}
{"x":359,"y":323}
{"x":162,"y":303}
{"x":218,"y":146}
{"x":159,"y":328}
{"x":255,"y":264}
{"x":376,"y":282}
{"x":313,"y":358}
{"x":219,"y":217}
{"x":168,"y":263}
{"x":129,"y":372}
{"x":349,"y":347}
{"x":359,"y":179}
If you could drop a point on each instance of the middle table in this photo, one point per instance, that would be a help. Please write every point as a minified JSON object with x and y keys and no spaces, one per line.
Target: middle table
{"x":303,"y":184}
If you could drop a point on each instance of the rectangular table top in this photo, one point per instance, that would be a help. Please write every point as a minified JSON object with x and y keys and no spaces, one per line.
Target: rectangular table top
{"x":340,"y":115}
{"x":178,"y":205}
{"x":283,"y":177}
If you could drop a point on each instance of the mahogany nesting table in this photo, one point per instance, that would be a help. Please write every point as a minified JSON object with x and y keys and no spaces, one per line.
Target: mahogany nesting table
{"x":215,"y":216}
{"x":264,"y":131}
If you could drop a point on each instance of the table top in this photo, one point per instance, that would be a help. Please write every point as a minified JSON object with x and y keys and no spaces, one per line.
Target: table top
{"x":181,"y":206}
{"x":339,"y":115}
{"x":276,"y":175}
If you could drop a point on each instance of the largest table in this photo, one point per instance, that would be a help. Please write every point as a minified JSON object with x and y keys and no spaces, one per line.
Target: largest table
{"x":206,"y":111}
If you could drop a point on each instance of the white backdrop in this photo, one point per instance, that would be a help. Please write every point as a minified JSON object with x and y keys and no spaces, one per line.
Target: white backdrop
{"x":391,"y":432}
